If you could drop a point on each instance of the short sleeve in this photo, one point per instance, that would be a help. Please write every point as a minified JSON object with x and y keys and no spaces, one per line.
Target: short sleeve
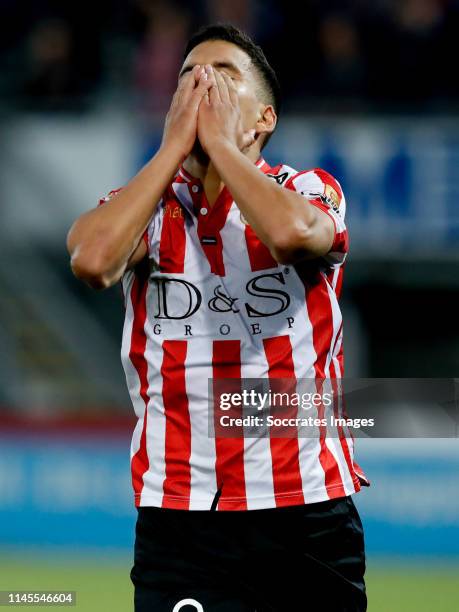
{"x":108,"y":197}
{"x":324,"y":191}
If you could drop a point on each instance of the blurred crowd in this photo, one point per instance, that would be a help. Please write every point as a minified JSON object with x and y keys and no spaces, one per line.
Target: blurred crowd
{"x":345,"y":56}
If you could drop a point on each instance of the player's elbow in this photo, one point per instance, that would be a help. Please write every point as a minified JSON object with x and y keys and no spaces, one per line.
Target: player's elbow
{"x":91,"y":269}
{"x":91,"y":261}
{"x":289,"y":246}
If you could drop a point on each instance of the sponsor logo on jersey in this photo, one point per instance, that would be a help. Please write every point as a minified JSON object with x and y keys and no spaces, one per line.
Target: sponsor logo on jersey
{"x":173,"y":211}
{"x":279,"y":178}
{"x":265,"y":288}
{"x":330,"y":197}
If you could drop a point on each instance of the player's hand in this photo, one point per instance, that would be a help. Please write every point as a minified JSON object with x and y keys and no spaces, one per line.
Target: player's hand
{"x":180,"y":127}
{"x":219,"y":116}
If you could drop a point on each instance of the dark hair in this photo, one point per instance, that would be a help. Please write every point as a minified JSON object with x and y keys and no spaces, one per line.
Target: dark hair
{"x":231,"y":34}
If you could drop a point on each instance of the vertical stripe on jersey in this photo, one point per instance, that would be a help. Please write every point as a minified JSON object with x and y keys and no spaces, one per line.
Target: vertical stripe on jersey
{"x":153,"y":479}
{"x":257,"y":450}
{"x":176,"y":486}
{"x":339,"y":449}
{"x":173,"y":238}
{"x":211,"y":225}
{"x":132,"y":376}
{"x":304,"y":357}
{"x":229,"y":463}
{"x":340,"y":242}
{"x":202,"y":460}
{"x":321,"y":317}
{"x":259,"y":255}
{"x":288,"y":487}
{"x":337,"y":399}
{"x":140,"y":462}
{"x":339,"y":370}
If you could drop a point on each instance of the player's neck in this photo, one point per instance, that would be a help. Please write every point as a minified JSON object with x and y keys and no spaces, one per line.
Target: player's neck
{"x":201,"y":167}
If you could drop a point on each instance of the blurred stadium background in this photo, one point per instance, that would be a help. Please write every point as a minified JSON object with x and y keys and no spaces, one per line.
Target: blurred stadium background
{"x":370,"y":95}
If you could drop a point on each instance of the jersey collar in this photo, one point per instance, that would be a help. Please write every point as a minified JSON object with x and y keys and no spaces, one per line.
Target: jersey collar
{"x":188,"y":188}
{"x":263,"y":165}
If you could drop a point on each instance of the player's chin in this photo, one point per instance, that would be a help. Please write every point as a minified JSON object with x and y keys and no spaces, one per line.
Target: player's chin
{"x":198,"y":152}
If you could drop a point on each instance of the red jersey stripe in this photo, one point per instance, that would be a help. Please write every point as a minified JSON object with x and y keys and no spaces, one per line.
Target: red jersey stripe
{"x":259,"y":255}
{"x":341,"y":434}
{"x":176,"y":487}
{"x":341,"y":242}
{"x":363,"y":480}
{"x":264,"y":167}
{"x":284,"y":450}
{"x":140,"y":461}
{"x":321,"y":317}
{"x":229,"y":462}
{"x":173,"y":239}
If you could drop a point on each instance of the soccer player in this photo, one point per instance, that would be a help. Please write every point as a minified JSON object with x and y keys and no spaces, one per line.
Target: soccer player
{"x":231,"y":269}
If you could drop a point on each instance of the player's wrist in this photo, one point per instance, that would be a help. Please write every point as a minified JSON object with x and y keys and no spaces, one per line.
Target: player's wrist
{"x":221,"y":146}
{"x":173,"y":151}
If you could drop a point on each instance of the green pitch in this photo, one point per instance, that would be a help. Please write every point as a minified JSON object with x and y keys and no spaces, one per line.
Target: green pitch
{"x":105,"y":584}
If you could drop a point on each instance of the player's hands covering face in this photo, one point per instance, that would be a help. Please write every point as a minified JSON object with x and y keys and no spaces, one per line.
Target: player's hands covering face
{"x":219,"y":116}
{"x":180,"y":127}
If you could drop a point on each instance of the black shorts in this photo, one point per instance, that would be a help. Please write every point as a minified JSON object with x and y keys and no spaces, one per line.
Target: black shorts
{"x":308,"y":557}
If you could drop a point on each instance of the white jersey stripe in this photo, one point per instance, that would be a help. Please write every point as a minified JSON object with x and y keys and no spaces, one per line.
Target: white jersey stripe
{"x":257,"y":451}
{"x":203,"y":456}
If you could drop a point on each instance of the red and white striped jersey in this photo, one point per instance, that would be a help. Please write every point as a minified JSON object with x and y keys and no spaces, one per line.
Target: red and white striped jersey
{"x":208,"y":304}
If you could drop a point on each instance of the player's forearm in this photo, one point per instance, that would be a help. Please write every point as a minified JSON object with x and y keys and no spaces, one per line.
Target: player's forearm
{"x":279,"y":217}
{"x":102,"y":240}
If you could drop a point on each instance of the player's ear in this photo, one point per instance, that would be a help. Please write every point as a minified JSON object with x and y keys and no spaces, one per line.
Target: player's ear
{"x":267,"y":120}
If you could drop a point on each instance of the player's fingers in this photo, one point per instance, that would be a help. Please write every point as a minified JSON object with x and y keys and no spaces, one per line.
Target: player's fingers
{"x":214,"y":95}
{"x":197,"y":72}
{"x":232,"y":93}
{"x":185,"y":81}
{"x":193,"y":78}
{"x":222,"y":87}
{"x":202,"y":87}
{"x":200,"y":91}
{"x":186,"y":85}
{"x":203,"y":103}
